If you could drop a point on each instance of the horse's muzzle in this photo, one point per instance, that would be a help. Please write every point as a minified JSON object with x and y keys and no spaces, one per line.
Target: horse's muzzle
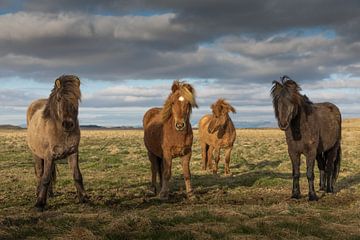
{"x":282,"y":127}
{"x":68,"y":125}
{"x":180,"y":126}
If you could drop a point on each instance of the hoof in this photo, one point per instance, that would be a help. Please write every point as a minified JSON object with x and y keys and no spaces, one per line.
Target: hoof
{"x":39,"y":207}
{"x":84,"y":199}
{"x":51,"y":194}
{"x":296,"y":196}
{"x":164,"y":196}
{"x":322,"y":189}
{"x":191,"y":196}
{"x":313,"y":197}
{"x":330,"y":190}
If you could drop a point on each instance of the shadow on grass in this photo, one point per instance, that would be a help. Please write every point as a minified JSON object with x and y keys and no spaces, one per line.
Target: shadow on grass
{"x":347,"y":182}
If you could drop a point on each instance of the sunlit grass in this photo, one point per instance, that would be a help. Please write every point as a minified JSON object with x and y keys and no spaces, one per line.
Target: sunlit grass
{"x":254,"y":202}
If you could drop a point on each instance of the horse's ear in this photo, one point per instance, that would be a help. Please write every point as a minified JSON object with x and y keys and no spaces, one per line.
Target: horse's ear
{"x":78,"y":81}
{"x":58,"y":83}
{"x":231,"y":109}
{"x":276,"y":88}
{"x":175,"y":86}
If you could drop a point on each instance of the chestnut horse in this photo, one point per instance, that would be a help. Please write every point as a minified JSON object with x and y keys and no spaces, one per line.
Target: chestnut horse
{"x":53,"y":133}
{"x":312,"y":129}
{"x":216,"y":132}
{"x":168,"y":134}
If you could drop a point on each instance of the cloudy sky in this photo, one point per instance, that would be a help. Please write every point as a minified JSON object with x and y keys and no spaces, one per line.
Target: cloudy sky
{"x":127,"y":53}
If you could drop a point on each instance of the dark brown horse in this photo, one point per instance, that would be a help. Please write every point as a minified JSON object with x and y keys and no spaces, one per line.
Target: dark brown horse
{"x":168,"y":134}
{"x":54,"y":133}
{"x":311,"y":129}
{"x":216,"y":132}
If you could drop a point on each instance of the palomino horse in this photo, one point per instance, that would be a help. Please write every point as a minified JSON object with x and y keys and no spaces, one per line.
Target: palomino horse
{"x":217,"y":132}
{"x":168,"y":134}
{"x":312,"y":129}
{"x":54,"y":133}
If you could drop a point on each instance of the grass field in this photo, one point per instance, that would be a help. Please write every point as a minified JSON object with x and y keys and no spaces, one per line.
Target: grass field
{"x":253,"y":203}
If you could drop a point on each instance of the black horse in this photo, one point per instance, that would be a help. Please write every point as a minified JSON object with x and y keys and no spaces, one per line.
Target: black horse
{"x":312,"y":129}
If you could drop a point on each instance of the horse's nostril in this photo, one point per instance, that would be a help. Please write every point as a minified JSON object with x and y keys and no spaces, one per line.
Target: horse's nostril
{"x":180,"y":125}
{"x":68,"y":125}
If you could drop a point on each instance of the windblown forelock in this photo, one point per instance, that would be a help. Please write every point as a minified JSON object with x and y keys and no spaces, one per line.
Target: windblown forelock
{"x":70,"y":94}
{"x":287,"y":89}
{"x":184,"y":92}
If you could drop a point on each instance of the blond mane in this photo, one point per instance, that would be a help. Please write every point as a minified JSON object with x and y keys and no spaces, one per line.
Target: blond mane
{"x":179,"y":88}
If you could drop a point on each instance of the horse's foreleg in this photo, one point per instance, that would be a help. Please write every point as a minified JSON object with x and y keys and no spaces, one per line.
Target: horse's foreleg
{"x":210,"y":157}
{"x":154,"y":170}
{"x":166,"y":175}
{"x":185,"y":161}
{"x":227,"y":160}
{"x":44,"y":184}
{"x":39,"y":170}
{"x":217,"y":159}
{"x":78,"y":180}
{"x":204,"y":155}
{"x":310,"y":162}
{"x":321,"y":164}
{"x":295,"y":160}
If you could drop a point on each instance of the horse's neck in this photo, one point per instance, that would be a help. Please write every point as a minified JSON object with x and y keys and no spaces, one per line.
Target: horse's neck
{"x":298,"y":124}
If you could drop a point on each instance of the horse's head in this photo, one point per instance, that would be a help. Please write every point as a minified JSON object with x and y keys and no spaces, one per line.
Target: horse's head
{"x":63,"y":103}
{"x":179,"y":104}
{"x":286,"y":101}
{"x":220,"y":115}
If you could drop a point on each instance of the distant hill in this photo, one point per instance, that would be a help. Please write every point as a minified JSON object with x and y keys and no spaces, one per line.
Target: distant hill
{"x":10,"y":127}
{"x":97,"y":127}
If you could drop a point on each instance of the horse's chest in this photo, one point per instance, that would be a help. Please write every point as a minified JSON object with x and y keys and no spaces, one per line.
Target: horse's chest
{"x":179,"y":151}
{"x":60,"y":149}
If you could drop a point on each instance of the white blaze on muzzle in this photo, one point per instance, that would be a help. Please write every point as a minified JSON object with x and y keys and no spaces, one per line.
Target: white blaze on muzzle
{"x":181,"y":98}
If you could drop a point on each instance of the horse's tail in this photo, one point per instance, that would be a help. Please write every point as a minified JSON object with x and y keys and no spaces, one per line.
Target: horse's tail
{"x":337,"y":164}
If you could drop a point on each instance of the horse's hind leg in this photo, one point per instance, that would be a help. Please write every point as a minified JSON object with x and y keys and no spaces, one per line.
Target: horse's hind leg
{"x":74,"y":164}
{"x":39,"y":170}
{"x":321,"y":164}
{"x":154,"y":170}
{"x":204,"y":155}
{"x":329,"y":169}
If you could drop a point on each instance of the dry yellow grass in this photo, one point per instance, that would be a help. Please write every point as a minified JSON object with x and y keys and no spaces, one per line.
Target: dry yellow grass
{"x":253,"y":203}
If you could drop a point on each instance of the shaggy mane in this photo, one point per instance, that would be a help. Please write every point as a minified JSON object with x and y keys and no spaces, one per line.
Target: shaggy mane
{"x":179,"y":88}
{"x":68,"y":90}
{"x":220,"y":104}
{"x":288,"y":89}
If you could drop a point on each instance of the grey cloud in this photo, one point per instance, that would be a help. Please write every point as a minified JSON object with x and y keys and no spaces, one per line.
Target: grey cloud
{"x":231,"y":41}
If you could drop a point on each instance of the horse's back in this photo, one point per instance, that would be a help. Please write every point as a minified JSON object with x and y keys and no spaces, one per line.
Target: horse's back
{"x":150,"y":115}
{"x":33,"y":108}
{"x":153,"y":131}
{"x":329,"y":119}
